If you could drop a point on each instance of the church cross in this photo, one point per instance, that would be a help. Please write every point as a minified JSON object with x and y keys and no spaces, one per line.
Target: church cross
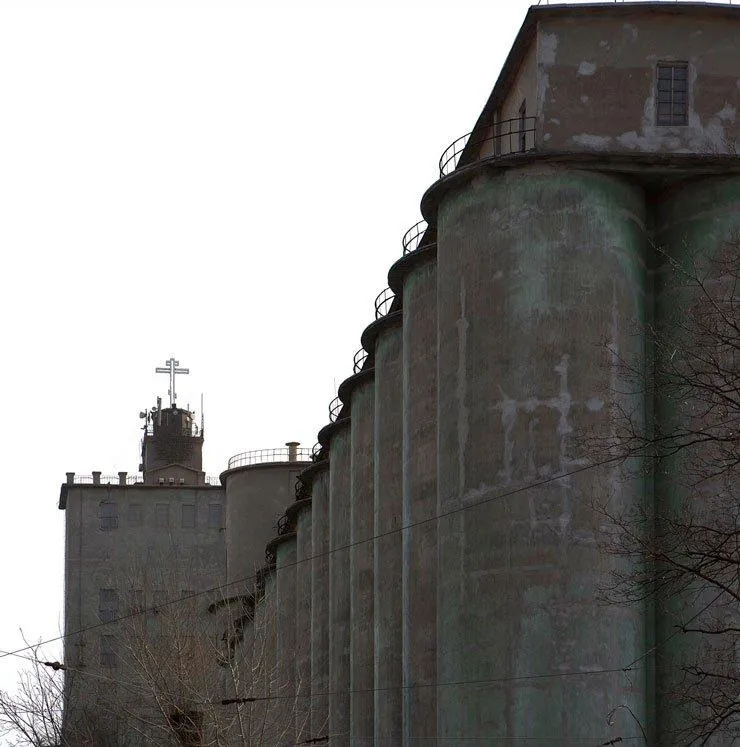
{"x":172,"y":369}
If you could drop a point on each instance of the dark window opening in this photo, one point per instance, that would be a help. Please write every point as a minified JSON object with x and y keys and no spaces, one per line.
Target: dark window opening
{"x":108,"y":516}
{"x":188,"y":516}
{"x":672,"y":95}
{"x":108,"y":653}
{"x":214,"y":516}
{"x":107,"y":605}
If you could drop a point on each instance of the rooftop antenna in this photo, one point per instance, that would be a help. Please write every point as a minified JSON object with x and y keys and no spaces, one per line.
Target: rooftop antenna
{"x":172,"y":368}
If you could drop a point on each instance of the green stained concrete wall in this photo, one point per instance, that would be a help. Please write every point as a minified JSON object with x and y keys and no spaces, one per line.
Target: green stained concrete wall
{"x":694,"y":224}
{"x":536,"y":268}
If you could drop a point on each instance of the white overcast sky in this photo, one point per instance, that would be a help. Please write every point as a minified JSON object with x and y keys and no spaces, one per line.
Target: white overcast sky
{"x":227,"y":182}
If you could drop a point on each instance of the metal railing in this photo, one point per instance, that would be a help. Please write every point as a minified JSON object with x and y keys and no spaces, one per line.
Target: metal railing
{"x":503,"y":138}
{"x":318,"y":452}
{"x":383,"y":303}
{"x":107,"y":480}
{"x":335,"y":407}
{"x":413,"y":239}
{"x":359,"y":360}
{"x":213,"y":480}
{"x":264,"y":456}
{"x":673,"y":2}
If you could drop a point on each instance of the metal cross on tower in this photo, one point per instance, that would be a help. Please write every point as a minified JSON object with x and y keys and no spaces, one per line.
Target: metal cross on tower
{"x":172,"y":369}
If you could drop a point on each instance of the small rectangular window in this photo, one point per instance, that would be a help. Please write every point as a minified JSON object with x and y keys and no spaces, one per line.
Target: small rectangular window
{"x":188,"y":516}
{"x":162,"y":515}
{"x":107,"y":605}
{"x":672,"y":95}
{"x":135,"y":516}
{"x":108,"y":514}
{"x":108,"y":654}
{"x":137,"y":600}
{"x":214,"y":516}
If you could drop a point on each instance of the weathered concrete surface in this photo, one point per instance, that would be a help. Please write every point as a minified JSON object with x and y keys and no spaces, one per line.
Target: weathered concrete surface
{"x":255,"y":495}
{"x":361,"y":564}
{"x":320,"y":603}
{"x":265,"y":716}
{"x":388,"y":579}
{"x":420,"y":503}
{"x":304,"y":543}
{"x":597,"y":79}
{"x":696,"y":224}
{"x":536,"y":266}
{"x":339,"y":633}
{"x":285,"y":639}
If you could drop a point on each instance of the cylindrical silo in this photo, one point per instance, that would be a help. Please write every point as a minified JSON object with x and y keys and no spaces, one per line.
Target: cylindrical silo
{"x":540,"y":283}
{"x":283,"y":677}
{"x":256,"y":493}
{"x":303,"y":511}
{"x":415,"y":276}
{"x":318,"y":477}
{"x":388,"y":442}
{"x":359,"y":392}
{"x":697,"y":233}
{"x":339,"y":632}
{"x":265,"y":716}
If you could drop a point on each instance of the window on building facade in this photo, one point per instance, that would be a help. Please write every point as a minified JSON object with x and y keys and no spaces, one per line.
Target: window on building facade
{"x":108,"y":513}
{"x":160,"y":599}
{"x":188,"y":516}
{"x":135,"y":515}
{"x":214,"y":515}
{"x":162,"y":515}
{"x":108,"y":654}
{"x":107,"y":605}
{"x":673,"y":94}
{"x":137,"y":600}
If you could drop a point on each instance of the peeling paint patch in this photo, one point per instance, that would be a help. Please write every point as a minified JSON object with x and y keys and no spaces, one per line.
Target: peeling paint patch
{"x":604,"y":44}
{"x":584,"y":99}
{"x":586,"y":68}
{"x":727,"y":113}
{"x":594,"y":404}
{"x":597,"y":142}
{"x":631,"y":30}
{"x":548,"y":48}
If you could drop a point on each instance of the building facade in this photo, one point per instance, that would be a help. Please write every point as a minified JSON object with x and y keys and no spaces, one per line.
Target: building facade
{"x":438,"y":574}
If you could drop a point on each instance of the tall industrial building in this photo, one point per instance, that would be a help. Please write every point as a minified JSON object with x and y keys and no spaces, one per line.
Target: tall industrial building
{"x":436,"y":578}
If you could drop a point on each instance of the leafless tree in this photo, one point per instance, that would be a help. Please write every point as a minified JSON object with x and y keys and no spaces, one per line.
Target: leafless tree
{"x":675,"y":424}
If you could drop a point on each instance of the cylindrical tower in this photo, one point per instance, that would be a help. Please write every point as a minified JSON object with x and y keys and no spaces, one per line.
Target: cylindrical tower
{"x":536,"y":266}
{"x":264,"y":718}
{"x":697,"y":233}
{"x":359,"y":393}
{"x":284,"y":678}
{"x":257,"y":493}
{"x":385,"y":336}
{"x":302,"y":509}
{"x":338,"y":440}
{"x":415,"y":277}
{"x":317,"y":476}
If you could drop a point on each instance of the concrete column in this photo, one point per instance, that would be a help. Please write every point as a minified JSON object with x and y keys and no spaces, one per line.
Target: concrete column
{"x":96,"y":477}
{"x":420,"y":500}
{"x":361,"y":563}
{"x":696,"y":224}
{"x":536,"y":267}
{"x":388,"y":516}
{"x":339,"y":636}
{"x":122,"y":478}
{"x":304,"y":528}
{"x":285,"y":620}
{"x":320,"y":601}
